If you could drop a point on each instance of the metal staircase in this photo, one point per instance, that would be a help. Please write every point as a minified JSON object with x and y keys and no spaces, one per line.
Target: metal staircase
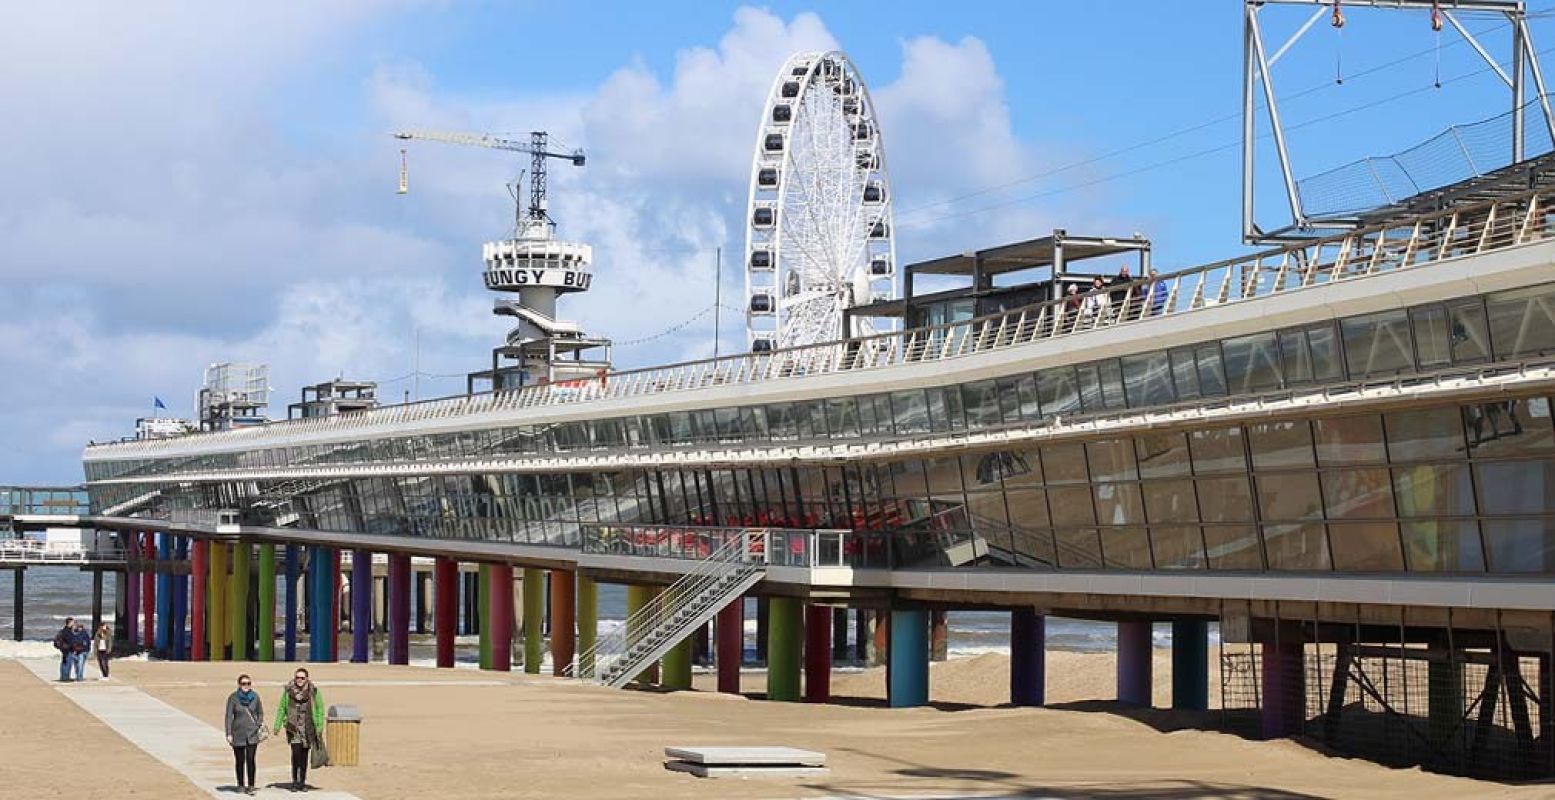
{"x":679,"y":610}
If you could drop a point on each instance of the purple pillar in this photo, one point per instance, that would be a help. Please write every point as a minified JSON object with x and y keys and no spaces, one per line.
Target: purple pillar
{"x":1135,"y":660}
{"x":1028,"y":658}
{"x":1284,"y":688}
{"x":399,"y":608}
{"x":361,"y":605}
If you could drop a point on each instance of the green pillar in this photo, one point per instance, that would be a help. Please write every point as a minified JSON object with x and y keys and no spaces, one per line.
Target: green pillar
{"x":483,"y":598}
{"x":237,"y":609}
{"x":534,"y":617}
{"x":216,"y":601}
{"x":637,"y":599}
{"x":267,"y":602}
{"x":588,"y":622}
{"x":785,"y":636}
{"x":677,"y":665}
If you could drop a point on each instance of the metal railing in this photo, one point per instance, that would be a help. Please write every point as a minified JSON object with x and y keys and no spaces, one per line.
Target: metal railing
{"x":614,"y":657}
{"x":31,"y":552}
{"x":1420,"y":241}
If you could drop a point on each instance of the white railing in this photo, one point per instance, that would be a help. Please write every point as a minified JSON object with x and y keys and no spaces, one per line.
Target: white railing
{"x":1411,"y":243}
{"x":28,"y":551}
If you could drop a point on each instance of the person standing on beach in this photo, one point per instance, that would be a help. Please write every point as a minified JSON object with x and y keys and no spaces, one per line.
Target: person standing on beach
{"x":302,"y":716}
{"x":245,"y":730}
{"x":102,"y":645}
{"x":80,"y":645}
{"x":66,"y":650}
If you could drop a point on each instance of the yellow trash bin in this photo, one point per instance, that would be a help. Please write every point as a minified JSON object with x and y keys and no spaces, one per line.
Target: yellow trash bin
{"x":342,"y":735}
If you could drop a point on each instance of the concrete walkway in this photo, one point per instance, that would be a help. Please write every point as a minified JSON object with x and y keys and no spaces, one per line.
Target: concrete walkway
{"x":196,"y":750}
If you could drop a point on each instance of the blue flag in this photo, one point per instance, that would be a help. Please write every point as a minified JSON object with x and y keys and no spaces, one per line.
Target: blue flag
{"x":159,"y":403}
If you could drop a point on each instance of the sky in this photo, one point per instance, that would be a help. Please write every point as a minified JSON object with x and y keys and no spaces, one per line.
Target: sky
{"x":183,"y":184}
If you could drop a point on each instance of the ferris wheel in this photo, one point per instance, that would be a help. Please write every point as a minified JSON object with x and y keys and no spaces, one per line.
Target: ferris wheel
{"x":819,"y":233}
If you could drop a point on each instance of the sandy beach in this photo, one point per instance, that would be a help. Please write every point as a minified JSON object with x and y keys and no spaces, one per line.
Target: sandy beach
{"x":467,"y":734}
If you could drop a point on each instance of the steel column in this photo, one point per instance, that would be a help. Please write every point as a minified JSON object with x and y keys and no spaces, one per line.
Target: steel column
{"x":563,"y":620}
{"x":148,"y":591}
{"x":199,"y":572}
{"x":499,"y":579}
{"x":588,"y":619}
{"x":237,"y":610}
{"x":216,"y":601}
{"x":1135,"y":663}
{"x":483,"y":600}
{"x":729,"y":629}
{"x":785,"y":637}
{"x":1028,"y":657}
{"x":266,"y":623}
{"x":97,"y":600}
{"x":361,"y":605}
{"x":534,"y":615}
{"x":445,"y":597}
{"x":17,"y":611}
{"x":817,"y":654}
{"x":164,"y":594}
{"x":1284,"y":688}
{"x":399,"y":608}
{"x":131,"y":590}
{"x":907,"y":677}
{"x":1190,"y":665}
{"x":180,"y":601}
{"x":320,"y":604}
{"x":292,"y":567}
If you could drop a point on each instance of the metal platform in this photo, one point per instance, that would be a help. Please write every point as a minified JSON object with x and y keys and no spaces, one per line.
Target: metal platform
{"x":745,"y":762}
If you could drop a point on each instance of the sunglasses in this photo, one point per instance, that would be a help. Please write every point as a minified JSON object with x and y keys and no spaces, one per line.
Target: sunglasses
{"x":245,"y":683}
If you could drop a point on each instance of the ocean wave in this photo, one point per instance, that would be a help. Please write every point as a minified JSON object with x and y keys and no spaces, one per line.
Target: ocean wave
{"x":30,"y":648}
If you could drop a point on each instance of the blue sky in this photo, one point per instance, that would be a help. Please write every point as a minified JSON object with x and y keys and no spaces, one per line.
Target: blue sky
{"x":189,"y":185}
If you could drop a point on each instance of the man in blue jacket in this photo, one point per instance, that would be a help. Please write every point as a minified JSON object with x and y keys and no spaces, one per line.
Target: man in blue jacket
{"x":80,"y":645}
{"x":66,"y":649}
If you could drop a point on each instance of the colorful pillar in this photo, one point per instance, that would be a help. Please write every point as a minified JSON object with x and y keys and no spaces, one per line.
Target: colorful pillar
{"x":676,"y":664}
{"x":423,"y":593}
{"x":729,"y":651}
{"x":1135,"y":662}
{"x":289,"y":602}
{"x":445,"y":596}
{"x":336,"y":592}
{"x":785,"y":637}
{"x":563,"y":621}
{"x":907,"y":678}
{"x":180,"y":601}
{"x":237,"y":610}
{"x":637,"y":599}
{"x":216,"y":601}
{"x":499,"y":578}
{"x":266,"y":630}
{"x":361,"y":605}
{"x":1284,"y":688}
{"x":483,"y":600}
{"x":199,"y":571}
{"x":399,"y":608}
{"x":132,"y":551}
{"x":164,"y":594}
{"x":1028,"y":658}
{"x":148,"y":591}
{"x":817,"y":654}
{"x":1190,"y":665}
{"x":588,"y":621}
{"x":534,"y":613}
{"x":320,"y":604}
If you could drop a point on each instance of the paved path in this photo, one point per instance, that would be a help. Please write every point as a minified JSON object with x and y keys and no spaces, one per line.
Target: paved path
{"x":196,"y":750}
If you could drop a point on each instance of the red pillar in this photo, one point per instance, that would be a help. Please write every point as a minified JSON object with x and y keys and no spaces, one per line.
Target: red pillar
{"x":564,"y":621}
{"x":445,"y":578}
{"x":502,"y":617}
{"x":148,"y":590}
{"x":199,"y":552}
{"x":730,"y":648}
{"x":817,"y":654}
{"x":334,"y":617}
{"x":399,"y":608}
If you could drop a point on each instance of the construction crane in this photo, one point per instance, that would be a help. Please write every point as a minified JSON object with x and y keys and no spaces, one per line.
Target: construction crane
{"x":537,"y":147}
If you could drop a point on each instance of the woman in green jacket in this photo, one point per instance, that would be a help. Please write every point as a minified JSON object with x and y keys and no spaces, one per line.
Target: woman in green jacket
{"x":302,"y":716}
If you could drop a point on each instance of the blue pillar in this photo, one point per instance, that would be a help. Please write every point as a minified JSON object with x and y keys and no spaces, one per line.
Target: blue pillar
{"x":321,"y":579}
{"x":907,"y":681}
{"x":1134,"y":663}
{"x":1190,"y":665}
{"x":163,"y":640}
{"x":1028,"y":658}
{"x":180,"y":602}
{"x":361,"y":605}
{"x":290,"y":607}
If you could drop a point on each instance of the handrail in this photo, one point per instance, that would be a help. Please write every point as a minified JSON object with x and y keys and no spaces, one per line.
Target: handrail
{"x":1429,"y":238}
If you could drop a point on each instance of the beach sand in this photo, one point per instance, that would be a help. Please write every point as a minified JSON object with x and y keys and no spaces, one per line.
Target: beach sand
{"x":467,"y":734}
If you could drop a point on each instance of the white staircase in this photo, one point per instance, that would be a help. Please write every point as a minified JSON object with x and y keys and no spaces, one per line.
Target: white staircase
{"x":679,"y":610}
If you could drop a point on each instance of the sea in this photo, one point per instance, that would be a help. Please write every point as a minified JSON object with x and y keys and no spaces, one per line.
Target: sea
{"x":54,"y":593}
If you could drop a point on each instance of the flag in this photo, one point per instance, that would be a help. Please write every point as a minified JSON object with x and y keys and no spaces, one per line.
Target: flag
{"x":159,"y":403}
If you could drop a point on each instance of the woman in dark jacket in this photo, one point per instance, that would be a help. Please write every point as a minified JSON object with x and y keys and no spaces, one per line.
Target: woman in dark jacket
{"x":302,"y":716}
{"x":245,"y":729}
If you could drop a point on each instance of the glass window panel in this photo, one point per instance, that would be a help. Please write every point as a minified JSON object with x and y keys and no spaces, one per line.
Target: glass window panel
{"x":1111,"y":460}
{"x":1212,"y":371}
{"x":939,"y":413}
{"x":1118,"y":504}
{"x":1296,"y":547}
{"x":981,"y":401}
{"x":842,"y":416}
{"x":955,"y":412}
{"x":1033,"y":548}
{"x":1007,"y":391}
{"x":1058,"y":391}
{"x":1520,"y":545}
{"x":1185,"y":373}
{"x":944,"y":476}
{"x":1232,"y":547}
{"x":1162,"y":455}
{"x":1469,"y":333}
{"x":1170,"y":501}
{"x":1026,"y":396}
{"x":1028,"y":508}
{"x":1071,"y":506}
{"x":1126,"y":548}
{"x":1277,"y":445}
{"x":1064,"y":463}
{"x":1289,"y":496}
{"x":1252,"y":363}
{"x":1357,"y":494}
{"x":1365,"y":547}
{"x":1078,"y":548}
{"x":1217,"y":450}
{"x":1431,"y":490}
{"x":1345,"y":441}
{"x":1323,"y":343}
{"x":1147,"y":379}
{"x":1090,"y":388}
{"x":1509,"y":427}
{"x":1442,"y":546}
{"x":1294,"y":358}
{"x":988,"y":470}
{"x":1431,"y":345}
{"x":1112,"y":383}
{"x":1377,"y":344}
{"x":1522,"y":321}
{"x":1019,"y":468}
{"x":1516,"y":487}
{"x":1424,"y":434}
{"x":986,"y":511}
{"x":911,"y":411}
{"x":1177,"y":547}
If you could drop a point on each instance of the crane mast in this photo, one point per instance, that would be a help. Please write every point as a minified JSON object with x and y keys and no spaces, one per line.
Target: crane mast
{"x":538,"y":149}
